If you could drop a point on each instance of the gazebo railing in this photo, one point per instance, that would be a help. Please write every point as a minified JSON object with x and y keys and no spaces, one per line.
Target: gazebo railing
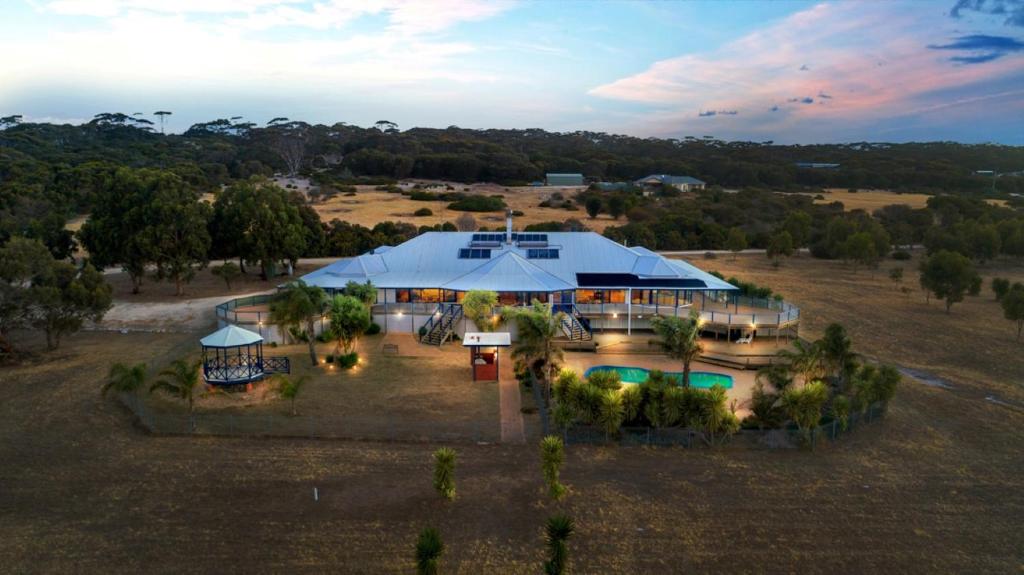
{"x":277,"y":365}
{"x":233,"y":369}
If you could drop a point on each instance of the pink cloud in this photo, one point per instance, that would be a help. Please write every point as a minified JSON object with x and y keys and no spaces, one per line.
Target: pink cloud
{"x":872,"y":59}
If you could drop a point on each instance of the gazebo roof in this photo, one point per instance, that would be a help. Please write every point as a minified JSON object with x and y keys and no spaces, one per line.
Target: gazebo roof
{"x":231,"y":336}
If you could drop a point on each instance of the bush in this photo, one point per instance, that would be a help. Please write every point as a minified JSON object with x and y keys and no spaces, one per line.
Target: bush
{"x":348,"y":360}
{"x":374,"y":329}
{"x":901,"y":255}
{"x":478,"y":204}
{"x":518,"y":213}
{"x":423,"y":212}
{"x":329,"y":358}
{"x":423,"y":330}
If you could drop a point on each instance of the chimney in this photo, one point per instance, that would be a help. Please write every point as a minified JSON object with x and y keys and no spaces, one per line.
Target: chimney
{"x":508,"y":226}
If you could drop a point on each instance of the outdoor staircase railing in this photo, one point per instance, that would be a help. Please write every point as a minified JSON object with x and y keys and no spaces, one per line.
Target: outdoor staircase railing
{"x":574,"y":325}
{"x":442,"y":324}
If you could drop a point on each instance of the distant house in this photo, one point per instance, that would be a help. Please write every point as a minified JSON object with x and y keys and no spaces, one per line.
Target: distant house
{"x":681,"y":183}
{"x":613,"y":186}
{"x":564,"y":179}
{"x":817,"y":165}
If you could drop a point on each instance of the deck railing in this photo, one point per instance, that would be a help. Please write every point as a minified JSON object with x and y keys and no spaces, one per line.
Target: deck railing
{"x":227,"y":310}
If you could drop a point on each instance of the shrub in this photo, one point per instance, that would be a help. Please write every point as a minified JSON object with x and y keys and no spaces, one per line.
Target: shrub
{"x":478,"y":204}
{"x":444,"y":472}
{"x":429,"y":549}
{"x":374,"y":329}
{"x":518,"y":213}
{"x":552,"y":455}
{"x":423,"y":331}
{"x":423,"y":212}
{"x":348,"y":360}
{"x":901,"y":255}
{"x":605,"y":379}
{"x":329,"y":358}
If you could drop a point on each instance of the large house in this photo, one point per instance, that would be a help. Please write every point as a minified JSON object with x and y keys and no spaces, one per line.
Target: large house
{"x":682,"y":183}
{"x":598,"y":283}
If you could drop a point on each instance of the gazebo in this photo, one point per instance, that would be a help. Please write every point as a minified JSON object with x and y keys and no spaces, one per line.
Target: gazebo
{"x":483,"y":353}
{"x":234,"y":356}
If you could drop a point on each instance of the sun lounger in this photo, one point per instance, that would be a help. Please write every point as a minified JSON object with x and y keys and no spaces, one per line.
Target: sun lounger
{"x":749,"y":339}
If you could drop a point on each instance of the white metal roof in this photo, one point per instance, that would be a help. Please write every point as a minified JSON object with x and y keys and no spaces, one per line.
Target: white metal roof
{"x":431,"y":260}
{"x":487,"y":339}
{"x":231,"y":336}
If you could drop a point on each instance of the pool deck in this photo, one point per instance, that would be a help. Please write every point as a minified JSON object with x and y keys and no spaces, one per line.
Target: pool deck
{"x":742,"y":380}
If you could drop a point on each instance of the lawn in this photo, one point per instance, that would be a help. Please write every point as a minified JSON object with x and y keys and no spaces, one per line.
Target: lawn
{"x":383,"y":397}
{"x":935,"y":487}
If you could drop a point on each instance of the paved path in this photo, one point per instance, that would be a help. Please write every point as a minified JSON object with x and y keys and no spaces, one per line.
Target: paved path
{"x":511,"y":403}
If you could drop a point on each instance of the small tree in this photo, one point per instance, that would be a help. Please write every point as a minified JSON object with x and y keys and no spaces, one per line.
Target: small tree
{"x":804,"y":406}
{"x":182,"y":378}
{"x":466,"y":222}
{"x":299,"y":305}
{"x":228,"y":271}
{"x":429,"y":549}
{"x":444,"y":472}
{"x":557,"y":532}
{"x":896,"y":275}
{"x":616,"y":206}
{"x":837,"y":356}
{"x":860,"y":249}
{"x":1000,"y":287}
{"x":593,"y":206}
{"x":288,"y":388}
{"x":781,"y":244}
{"x":364,"y":292}
{"x":552,"y":456}
{"x":680,"y":338}
{"x":1013,"y":307}
{"x":125,"y":379}
{"x":349,"y":321}
{"x":736,"y":241}
{"x":478,"y":305}
{"x":64,"y":297}
{"x":948,"y":275}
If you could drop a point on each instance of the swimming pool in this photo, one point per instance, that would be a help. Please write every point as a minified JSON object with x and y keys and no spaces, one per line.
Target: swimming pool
{"x":635,"y":375}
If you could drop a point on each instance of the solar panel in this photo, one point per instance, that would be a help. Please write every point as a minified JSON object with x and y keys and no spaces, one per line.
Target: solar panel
{"x":474,"y":254}
{"x":542,"y":254}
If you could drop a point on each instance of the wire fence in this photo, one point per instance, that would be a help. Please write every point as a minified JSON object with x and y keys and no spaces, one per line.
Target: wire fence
{"x":308,"y":426}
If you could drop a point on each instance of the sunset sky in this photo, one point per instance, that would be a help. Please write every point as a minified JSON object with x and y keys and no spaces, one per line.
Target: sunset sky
{"x":792,"y":72}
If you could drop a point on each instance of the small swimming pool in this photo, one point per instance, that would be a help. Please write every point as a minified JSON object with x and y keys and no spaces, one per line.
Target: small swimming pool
{"x":635,"y":375}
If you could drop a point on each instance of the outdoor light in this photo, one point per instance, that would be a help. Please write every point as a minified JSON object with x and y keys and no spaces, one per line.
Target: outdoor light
{"x":615,"y":314}
{"x":398,"y":314}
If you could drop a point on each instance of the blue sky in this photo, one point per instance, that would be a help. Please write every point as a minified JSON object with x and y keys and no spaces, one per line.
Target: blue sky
{"x":792,"y":72}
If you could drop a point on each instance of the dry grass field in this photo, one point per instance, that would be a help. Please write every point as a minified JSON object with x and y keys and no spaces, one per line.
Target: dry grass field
{"x":871,"y":200}
{"x":974,"y":346}
{"x":369,"y":207}
{"x":935,"y":487}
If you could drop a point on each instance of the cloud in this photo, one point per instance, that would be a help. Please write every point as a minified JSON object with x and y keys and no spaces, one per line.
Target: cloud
{"x":1013,"y":10}
{"x":403,"y":16}
{"x":713,"y":113}
{"x":986,"y":48}
{"x":848,"y":43}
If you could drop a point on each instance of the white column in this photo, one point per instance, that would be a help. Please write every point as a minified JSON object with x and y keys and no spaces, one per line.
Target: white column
{"x":629,"y":311}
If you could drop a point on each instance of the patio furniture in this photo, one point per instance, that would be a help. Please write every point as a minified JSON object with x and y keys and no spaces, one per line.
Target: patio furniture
{"x":747,"y":340}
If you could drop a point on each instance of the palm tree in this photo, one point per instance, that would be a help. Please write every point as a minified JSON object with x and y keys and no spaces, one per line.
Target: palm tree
{"x":558,"y":531}
{"x":182,"y":380}
{"x":429,"y":549}
{"x":299,"y":305}
{"x":807,"y":359}
{"x":610,"y":412}
{"x":680,"y":338}
{"x":125,"y":379}
{"x":804,"y":406}
{"x":837,"y":357}
{"x":538,"y":327}
{"x":289,"y":388}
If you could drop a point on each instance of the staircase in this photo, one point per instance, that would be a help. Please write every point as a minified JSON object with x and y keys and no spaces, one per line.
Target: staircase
{"x":442,"y":324}
{"x":574,"y":325}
